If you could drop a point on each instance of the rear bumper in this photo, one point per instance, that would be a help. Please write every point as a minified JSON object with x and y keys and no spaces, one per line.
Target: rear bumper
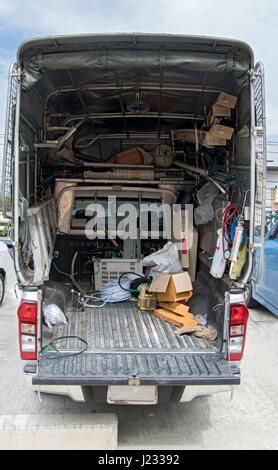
{"x":75,"y":392}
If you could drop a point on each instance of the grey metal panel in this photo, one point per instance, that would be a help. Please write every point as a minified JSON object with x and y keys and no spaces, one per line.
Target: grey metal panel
{"x":122,"y":327}
{"x":124,"y":342}
{"x":154,"y":368}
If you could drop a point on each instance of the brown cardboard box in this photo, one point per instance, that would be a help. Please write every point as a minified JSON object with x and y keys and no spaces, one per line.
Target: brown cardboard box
{"x":224,"y":99}
{"x":177,"y":307}
{"x":221,"y":132}
{"x":186,"y":135}
{"x":210,"y":139}
{"x":171,"y":287}
{"x":218,"y":111}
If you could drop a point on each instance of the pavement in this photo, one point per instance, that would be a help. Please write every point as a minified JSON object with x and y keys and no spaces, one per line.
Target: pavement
{"x":248,"y":421}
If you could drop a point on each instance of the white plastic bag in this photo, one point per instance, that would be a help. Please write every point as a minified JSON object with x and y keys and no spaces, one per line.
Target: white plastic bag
{"x":53,"y":315}
{"x":219,"y":262}
{"x":165,"y":260}
{"x":204,"y":213}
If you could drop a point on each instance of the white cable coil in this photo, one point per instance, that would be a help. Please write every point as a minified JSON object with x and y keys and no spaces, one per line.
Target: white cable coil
{"x":109,"y":293}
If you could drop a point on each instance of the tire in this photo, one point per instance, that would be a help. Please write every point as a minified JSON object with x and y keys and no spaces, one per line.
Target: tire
{"x":250,"y":302}
{"x":2,"y":288}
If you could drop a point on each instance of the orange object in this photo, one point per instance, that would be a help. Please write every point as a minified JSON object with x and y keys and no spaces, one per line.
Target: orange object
{"x":131,"y":156}
{"x":177,"y":308}
{"x":175,"y":319}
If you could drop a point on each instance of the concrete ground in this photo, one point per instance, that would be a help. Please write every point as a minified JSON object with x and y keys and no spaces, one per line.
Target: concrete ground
{"x":249,"y":421}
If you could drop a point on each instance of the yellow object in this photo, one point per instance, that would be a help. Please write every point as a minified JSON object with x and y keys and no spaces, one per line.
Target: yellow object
{"x":146,"y":299}
{"x":236,"y":266}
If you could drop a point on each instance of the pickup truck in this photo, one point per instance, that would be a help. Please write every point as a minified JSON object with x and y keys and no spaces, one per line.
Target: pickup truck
{"x":74,"y":104}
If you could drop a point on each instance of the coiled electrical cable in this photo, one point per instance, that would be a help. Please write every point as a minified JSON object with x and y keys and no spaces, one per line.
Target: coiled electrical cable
{"x":60,"y":354}
{"x":110,"y":293}
{"x":135,"y":283}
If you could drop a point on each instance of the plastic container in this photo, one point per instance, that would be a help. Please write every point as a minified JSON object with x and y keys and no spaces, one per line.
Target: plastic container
{"x":146,"y":299}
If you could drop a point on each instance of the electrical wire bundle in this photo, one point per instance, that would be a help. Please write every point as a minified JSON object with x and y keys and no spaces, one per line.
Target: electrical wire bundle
{"x":114,"y":291}
{"x":228,"y":217}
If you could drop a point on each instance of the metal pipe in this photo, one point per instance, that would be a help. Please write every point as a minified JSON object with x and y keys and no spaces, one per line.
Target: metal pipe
{"x":127,"y":87}
{"x":149,"y":135}
{"x":262,"y":231}
{"x":248,"y":272}
{"x":16,"y":183}
{"x":6,"y":142}
{"x":132,"y":115}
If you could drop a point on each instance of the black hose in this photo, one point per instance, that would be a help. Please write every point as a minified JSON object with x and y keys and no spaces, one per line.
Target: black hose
{"x":133,"y":288}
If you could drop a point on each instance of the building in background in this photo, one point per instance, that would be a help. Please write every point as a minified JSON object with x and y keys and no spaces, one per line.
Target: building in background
{"x":272,"y":185}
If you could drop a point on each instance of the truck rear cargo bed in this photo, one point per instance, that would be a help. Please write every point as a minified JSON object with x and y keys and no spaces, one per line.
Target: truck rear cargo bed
{"x":125,"y":343}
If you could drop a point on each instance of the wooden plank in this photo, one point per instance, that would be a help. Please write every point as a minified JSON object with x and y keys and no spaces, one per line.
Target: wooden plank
{"x":177,"y":308}
{"x":175,"y":319}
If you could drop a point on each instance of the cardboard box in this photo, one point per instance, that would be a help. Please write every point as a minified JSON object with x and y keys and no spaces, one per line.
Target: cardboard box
{"x":221,"y":132}
{"x":218,"y":111}
{"x":185,"y":135}
{"x":177,"y":320}
{"x":211,"y":139}
{"x":177,"y":307}
{"x":224,"y":99}
{"x":171,"y":287}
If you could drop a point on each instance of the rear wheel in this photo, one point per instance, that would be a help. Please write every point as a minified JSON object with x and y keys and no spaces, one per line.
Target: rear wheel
{"x":2,"y":288}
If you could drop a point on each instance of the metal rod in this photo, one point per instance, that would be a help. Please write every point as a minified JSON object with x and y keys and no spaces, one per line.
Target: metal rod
{"x":16,"y":184}
{"x":128,"y":86}
{"x":93,"y":139}
{"x":7,"y":143}
{"x":133,"y":115}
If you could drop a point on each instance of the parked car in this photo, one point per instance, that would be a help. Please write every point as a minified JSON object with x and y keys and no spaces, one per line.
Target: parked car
{"x":7,"y":271}
{"x":265,"y":291}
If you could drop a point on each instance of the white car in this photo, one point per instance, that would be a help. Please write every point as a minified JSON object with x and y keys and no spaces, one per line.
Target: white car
{"x":7,"y":270}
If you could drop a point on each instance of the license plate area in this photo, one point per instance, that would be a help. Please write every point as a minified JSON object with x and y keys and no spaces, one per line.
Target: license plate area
{"x":132,"y":394}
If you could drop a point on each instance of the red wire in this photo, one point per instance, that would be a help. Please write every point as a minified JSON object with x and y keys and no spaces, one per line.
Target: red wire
{"x":226,"y":217}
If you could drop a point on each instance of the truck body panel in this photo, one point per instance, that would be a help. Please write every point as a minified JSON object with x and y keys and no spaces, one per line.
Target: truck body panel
{"x":76,"y":102}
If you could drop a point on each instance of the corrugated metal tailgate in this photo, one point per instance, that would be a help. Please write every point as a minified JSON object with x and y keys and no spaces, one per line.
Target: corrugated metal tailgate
{"x":149,"y":368}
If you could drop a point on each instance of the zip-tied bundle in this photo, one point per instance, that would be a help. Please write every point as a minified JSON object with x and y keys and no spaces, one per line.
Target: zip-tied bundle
{"x":110,"y":293}
{"x":225,"y":179}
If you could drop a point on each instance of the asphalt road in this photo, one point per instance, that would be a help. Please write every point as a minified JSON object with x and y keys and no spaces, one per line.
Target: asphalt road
{"x":248,"y":421}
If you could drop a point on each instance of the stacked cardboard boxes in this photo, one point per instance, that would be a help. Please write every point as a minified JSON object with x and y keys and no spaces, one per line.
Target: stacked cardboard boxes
{"x":222,"y":108}
{"x":217,"y":135}
{"x":173,"y":290}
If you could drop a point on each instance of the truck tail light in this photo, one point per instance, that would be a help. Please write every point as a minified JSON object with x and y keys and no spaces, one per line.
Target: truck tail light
{"x":237,"y":331}
{"x":27,"y":329}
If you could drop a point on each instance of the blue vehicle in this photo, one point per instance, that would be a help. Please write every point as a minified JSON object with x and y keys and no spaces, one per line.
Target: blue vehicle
{"x":265,"y":291}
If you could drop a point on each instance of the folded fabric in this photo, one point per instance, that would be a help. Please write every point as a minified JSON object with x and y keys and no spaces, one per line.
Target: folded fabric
{"x":200,"y":331}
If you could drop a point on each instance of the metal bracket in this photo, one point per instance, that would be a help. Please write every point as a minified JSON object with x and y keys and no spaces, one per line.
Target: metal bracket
{"x":134,"y":380}
{"x":254,"y":74}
